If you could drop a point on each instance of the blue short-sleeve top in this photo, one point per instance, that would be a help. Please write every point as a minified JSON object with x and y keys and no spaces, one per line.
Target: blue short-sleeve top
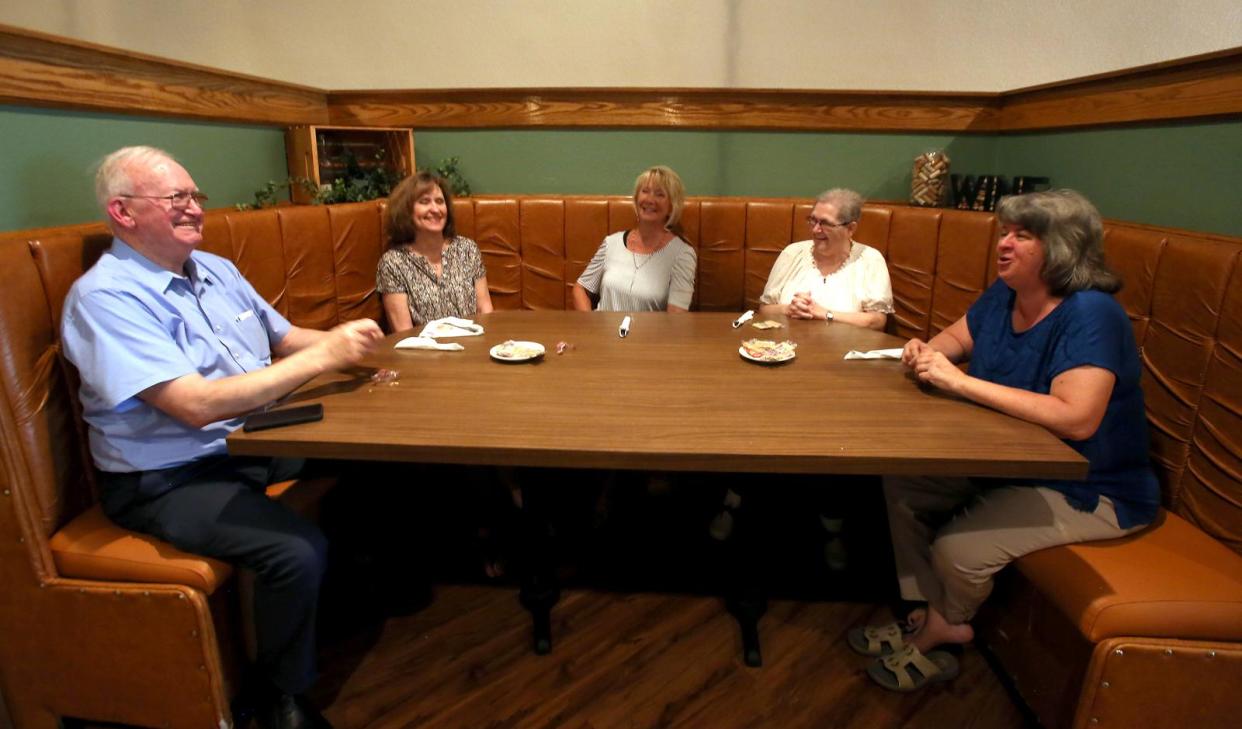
{"x":1088,"y":328}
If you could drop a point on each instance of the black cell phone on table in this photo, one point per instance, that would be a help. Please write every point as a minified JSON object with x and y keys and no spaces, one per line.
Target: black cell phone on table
{"x":282,"y":417}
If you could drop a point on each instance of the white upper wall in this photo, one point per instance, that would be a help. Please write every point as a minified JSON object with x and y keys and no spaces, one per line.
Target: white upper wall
{"x":927,"y":45}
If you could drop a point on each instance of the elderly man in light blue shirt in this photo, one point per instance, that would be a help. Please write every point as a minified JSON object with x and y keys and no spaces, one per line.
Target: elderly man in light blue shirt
{"x":174,"y":347}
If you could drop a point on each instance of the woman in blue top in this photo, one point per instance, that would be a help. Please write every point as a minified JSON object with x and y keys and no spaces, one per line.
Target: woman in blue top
{"x":1046,"y":343}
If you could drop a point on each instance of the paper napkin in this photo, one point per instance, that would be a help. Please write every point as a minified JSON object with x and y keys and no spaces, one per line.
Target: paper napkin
{"x":451,"y":326}
{"x":427,"y":343}
{"x":874,"y":354}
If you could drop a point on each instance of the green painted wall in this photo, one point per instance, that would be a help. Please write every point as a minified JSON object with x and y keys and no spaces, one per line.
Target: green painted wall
{"x":1183,"y":176}
{"x":777,"y":164}
{"x":1180,"y":175}
{"x":47,"y":160}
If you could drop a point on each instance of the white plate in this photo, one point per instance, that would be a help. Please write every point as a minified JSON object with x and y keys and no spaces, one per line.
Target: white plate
{"x":746,"y":355}
{"x":535,"y":347}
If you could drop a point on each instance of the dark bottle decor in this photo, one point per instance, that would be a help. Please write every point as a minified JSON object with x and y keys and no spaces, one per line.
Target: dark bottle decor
{"x":982,"y":192}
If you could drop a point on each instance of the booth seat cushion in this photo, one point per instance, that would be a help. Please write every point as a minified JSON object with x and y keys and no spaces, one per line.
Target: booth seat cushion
{"x":303,"y":496}
{"x":91,"y":547}
{"x":1170,"y":580}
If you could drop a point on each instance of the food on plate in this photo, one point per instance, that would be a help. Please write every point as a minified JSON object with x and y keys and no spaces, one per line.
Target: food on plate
{"x":517,"y":350}
{"x":766,"y":350}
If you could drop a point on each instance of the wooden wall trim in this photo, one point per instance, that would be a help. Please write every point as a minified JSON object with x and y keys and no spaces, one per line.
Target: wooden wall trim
{"x":45,"y":70}
{"x":665,"y":108}
{"x":1207,"y":86}
{"x":1199,"y":87}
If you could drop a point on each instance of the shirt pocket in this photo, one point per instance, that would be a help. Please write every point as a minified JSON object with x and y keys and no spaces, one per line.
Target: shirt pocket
{"x":252,"y":335}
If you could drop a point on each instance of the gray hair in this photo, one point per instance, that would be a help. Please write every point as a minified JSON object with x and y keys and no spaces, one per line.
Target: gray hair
{"x":1072,"y":234}
{"x":112,"y":178}
{"x":847,"y":202}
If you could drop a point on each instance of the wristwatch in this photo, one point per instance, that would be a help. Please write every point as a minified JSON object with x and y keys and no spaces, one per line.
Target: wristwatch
{"x":828,"y":317}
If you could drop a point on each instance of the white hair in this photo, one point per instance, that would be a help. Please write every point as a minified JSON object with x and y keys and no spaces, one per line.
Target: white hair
{"x":113,"y":175}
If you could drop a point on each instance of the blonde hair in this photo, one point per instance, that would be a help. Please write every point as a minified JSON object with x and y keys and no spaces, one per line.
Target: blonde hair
{"x":667,"y":180}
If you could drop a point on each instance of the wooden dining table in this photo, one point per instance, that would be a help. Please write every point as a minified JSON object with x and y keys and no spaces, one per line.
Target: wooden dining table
{"x":674,"y":394}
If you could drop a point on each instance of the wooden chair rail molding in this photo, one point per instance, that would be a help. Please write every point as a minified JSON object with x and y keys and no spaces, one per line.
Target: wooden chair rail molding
{"x":679,"y":108}
{"x":38,"y":69}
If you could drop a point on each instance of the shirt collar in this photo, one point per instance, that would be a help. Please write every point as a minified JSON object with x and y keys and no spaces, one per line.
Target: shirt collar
{"x":156,"y":276}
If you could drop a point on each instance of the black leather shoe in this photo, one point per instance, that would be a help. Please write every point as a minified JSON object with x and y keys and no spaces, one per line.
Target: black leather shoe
{"x":285,"y":711}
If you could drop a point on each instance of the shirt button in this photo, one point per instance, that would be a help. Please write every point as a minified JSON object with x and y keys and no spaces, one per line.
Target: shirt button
{"x":218,"y":330}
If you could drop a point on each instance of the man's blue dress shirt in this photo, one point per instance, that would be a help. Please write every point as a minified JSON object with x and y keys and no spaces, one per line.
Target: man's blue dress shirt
{"x":129,"y":324}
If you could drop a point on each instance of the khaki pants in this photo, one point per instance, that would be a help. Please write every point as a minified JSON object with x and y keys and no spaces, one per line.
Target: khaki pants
{"x":950,"y":537}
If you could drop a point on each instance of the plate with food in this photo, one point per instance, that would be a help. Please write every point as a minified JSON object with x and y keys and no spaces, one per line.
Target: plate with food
{"x":766,"y":351}
{"x":514,"y":351}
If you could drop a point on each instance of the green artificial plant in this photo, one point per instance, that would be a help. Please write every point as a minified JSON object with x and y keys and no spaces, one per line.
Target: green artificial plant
{"x":448,"y":171}
{"x":265,"y":197}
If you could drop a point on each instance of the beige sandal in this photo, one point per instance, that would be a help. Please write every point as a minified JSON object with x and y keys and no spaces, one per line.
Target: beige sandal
{"x":910,"y":670}
{"x":876,"y":640}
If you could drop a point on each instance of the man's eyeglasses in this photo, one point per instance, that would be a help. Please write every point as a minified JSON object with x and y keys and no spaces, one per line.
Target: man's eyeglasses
{"x":178,"y":200}
{"x":824,"y":223}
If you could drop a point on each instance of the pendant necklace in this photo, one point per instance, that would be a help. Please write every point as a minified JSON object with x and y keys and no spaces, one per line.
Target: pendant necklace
{"x":835,"y":269}
{"x":638,"y":266}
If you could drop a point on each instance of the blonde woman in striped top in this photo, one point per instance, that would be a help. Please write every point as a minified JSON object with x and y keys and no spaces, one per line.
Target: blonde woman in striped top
{"x":649,"y":268}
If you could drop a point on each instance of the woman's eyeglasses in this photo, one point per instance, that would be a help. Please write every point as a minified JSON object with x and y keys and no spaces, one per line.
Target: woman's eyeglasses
{"x":823,"y":223}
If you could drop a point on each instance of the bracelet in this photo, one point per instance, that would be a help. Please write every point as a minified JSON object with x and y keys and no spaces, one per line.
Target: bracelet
{"x":828,"y":317}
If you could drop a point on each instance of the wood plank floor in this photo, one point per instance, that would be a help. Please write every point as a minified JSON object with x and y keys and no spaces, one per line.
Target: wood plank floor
{"x":642,"y":639}
{"x":629,"y":661}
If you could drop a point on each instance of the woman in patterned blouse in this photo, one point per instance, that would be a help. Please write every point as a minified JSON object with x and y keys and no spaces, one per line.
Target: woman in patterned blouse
{"x":428,"y":272}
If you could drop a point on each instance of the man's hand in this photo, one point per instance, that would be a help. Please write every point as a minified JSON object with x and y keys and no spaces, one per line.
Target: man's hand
{"x":346,"y":344}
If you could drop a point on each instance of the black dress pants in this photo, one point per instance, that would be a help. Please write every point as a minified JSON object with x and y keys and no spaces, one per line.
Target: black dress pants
{"x":217,"y":507}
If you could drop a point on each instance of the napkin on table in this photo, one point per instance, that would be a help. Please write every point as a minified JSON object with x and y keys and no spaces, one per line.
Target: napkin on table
{"x":874,"y":354}
{"x":427,"y":343}
{"x":451,"y":326}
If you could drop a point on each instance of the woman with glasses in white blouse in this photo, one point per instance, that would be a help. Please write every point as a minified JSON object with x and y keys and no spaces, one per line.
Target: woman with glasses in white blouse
{"x":649,"y":268}
{"x":831,"y":277}
{"x":835,"y":279}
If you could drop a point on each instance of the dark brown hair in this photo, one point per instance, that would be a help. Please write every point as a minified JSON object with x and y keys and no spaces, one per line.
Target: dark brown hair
{"x":400,"y":213}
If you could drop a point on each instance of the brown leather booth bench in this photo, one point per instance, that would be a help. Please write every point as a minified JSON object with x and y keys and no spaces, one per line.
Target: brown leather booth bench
{"x":103,"y":624}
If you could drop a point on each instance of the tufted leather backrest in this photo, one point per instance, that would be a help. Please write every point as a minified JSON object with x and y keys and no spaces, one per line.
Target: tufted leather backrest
{"x":317,"y":266}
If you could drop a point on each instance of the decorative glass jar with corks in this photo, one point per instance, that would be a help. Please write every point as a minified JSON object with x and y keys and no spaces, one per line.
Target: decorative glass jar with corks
{"x":929,"y":179}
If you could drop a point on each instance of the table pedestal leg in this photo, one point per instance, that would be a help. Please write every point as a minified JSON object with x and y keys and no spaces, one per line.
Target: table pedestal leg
{"x":747,"y":612}
{"x":539,"y":590}
{"x":538,"y":598}
{"x":746,"y":596}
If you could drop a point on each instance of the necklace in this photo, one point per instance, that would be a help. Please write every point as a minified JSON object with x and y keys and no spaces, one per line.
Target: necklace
{"x":436,"y":266}
{"x":833,"y":268}
{"x":634,"y":254}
